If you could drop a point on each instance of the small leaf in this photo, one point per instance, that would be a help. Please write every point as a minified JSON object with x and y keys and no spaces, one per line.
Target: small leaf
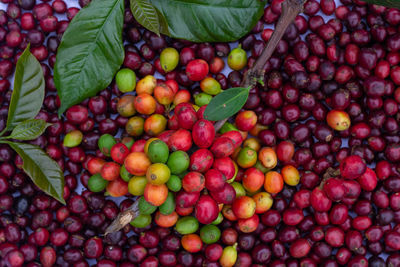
{"x":210,"y":20}
{"x":388,"y":3}
{"x":28,"y":91}
{"x":226,"y":104}
{"x":29,"y":129}
{"x":44,"y":171}
{"x":90,"y":53}
{"x":146,"y":14}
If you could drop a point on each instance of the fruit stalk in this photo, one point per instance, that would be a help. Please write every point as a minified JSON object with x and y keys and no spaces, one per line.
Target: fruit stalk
{"x":123,"y":218}
{"x":290,"y":9}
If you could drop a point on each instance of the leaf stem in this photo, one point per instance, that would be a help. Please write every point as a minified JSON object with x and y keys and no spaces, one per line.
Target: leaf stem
{"x":2,"y":132}
{"x":290,"y":9}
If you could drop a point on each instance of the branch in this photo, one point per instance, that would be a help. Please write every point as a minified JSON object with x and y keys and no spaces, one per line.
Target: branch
{"x":290,"y":9}
{"x":124,"y":218}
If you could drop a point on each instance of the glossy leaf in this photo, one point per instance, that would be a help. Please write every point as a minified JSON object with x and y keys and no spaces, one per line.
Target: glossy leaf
{"x":90,"y":53}
{"x":44,"y":171}
{"x":210,"y":20}
{"x":29,"y":129}
{"x":147,"y":15}
{"x":388,"y":3}
{"x":163,"y":23}
{"x":226,"y":104}
{"x":28,"y":91}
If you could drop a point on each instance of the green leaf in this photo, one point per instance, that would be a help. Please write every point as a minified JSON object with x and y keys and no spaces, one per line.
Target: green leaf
{"x":210,"y":20}
{"x":226,"y":104}
{"x":28,"y":91}
{"x":44,"y":172}
{"x":163,"y":23}
{"x":388,"y":3}
{"x":29,"y":129}
{"x":90,"y":53}
{"x":146,"y":14}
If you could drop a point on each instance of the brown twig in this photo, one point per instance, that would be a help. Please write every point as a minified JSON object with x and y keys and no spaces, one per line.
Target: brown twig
{"x":290,"y":9}
{"x":124,"y":218}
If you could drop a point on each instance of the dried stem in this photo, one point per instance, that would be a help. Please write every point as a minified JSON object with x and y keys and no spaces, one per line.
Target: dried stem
{"x":290,"y":9}
{"x":124,"y":218}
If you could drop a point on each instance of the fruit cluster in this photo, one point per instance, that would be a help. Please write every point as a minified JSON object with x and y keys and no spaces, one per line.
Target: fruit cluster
{"x":147,"y":169}
{"x":307,"y":174}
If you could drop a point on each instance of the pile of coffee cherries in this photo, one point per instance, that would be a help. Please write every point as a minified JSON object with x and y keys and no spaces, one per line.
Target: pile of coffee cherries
{"x":306,"y":174}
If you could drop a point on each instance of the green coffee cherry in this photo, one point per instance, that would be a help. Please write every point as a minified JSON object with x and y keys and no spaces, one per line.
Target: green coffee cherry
{"x":210,"y":234}
{"x":202,"y":99}
{"x":128,"y":141}
{"x":210,"y":86}
{"x":187,"y":225}
{"x":158,"y":152}
{"x":229,"y":256}
{"x":247,"y":157}
{"x":234,"y":176}
{"x":178,"y":162}
{"x":227,"y":127}
{"x":219,"y":219}
{"x":73,"y":138}
{"x":106,"y":142}
{"x":125,"y":175}
{"x":260,"y":166}
{"x":237,"y":59}
{"x":174,"y":183}
{"x":136,"y":185}
{"x":141,"y":221}
{"x":169,"y":59}
{"x":240,"y":191}
{"x":145,"y":207}
{"x":96,"y":183}
{"x":182,"y":174}
{"x":126,"y":80}
{"x":169,"y":205}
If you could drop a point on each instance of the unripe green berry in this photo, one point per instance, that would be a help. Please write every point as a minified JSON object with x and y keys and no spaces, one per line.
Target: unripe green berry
{"x":106,"y":142}
{"x":210,"y":86}
{"x":239,"y":189}
{"x":229,"y":256}
{"x":169,"y":59}
{"x":73,"y":138}
{"x":174,"y":183}
{"x":219,"y":219}
{"x":126,"y":80}
{"x":202,"y":99}
{"x":227,"y":127}
{"x":237,"y":59}
{"x":141,"y":221}
{"x":128,"y":141}
{"x":125,"y":175}
{"x":96,"y":183}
